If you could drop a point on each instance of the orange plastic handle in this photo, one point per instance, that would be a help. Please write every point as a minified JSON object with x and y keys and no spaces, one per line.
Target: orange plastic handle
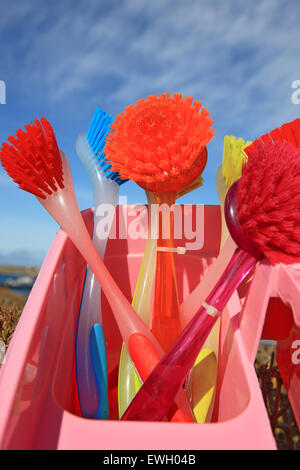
{"x":166,"y":315}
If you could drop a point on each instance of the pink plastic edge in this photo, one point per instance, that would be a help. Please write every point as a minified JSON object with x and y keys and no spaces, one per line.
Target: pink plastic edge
{"x":249,"y":430}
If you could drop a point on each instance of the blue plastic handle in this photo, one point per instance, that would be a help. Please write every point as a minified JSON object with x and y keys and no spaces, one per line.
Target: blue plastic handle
{"x":99,"y":361}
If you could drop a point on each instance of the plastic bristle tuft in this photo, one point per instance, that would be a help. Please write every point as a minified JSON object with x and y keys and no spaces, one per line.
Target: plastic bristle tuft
{"x":288,"y":132}
{"x":268,"y":200}
{"x":96,"y":135}
{"x":233,"y":158}
{"x":33,"y":159}
{"x":160,"y":141}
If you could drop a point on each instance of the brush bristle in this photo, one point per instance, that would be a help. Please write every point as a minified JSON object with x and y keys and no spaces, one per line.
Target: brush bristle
{"x":268,"y":200}
{"x":33,"y":160}
{"x":96,"y":135}
{"x":233,"y":158}
{"x":288,"y":132}
{"x":159,"y":143}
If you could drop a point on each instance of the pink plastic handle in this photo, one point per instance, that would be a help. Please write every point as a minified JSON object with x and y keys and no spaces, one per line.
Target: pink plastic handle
{"x":157,"y":394}
{"x":62,"y":205}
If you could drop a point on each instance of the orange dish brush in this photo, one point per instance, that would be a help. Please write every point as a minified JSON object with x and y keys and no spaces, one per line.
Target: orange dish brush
{"x":160,"y":143}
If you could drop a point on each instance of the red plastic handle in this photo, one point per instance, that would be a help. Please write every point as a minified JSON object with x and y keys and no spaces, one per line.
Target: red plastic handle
{"x":146,"y":358}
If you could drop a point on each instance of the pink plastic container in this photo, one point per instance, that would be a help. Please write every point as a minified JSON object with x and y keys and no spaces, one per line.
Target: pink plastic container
{"x":39,"y":404}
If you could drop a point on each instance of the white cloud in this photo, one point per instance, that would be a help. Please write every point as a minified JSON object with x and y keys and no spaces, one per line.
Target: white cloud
{"x":221,"y":52}
{"x":238,"y":58}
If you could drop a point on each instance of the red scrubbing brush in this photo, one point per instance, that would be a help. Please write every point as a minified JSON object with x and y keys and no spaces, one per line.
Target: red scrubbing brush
{"x":160,"y":143}
{"x":268,"y":201}
{"x":262,"y":212}
{"x":35,"y":162}
{"x":289,"y":132}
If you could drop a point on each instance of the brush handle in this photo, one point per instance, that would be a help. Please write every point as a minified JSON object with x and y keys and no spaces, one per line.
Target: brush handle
{"x":203,"y":376}
{"x":222,"y":191}
{"x":128,"y":321}
{"x":141,"y":301}
{"x":165,"y":316}
{"x":62,"y":206}
{"x":156,"y":395}
{"x":97,"y":348}
{"x":128,"y":381}
{"x":92,"y":386}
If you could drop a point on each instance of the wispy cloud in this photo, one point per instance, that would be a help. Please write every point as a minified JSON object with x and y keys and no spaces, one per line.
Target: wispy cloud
{"x":223,"y":52}
{"x":65,"y":58}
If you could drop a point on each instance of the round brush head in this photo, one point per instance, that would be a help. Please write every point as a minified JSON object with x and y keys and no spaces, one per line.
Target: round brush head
{"x":290,"y":132}
{"x":95,"y":137}
{"x":233,"y":158}
{"x":33,"y":159}
{"x":160,"y":143}
{"x":268,"y":200}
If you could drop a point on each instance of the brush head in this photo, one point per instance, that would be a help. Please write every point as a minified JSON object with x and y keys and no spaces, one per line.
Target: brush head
{"x":160,"y":143}
{"x":268,"y":200}
{"x":33,"y":159}
{"x":233,"y":158}
{"x":288,"y":132}
{"x":96,"y":135}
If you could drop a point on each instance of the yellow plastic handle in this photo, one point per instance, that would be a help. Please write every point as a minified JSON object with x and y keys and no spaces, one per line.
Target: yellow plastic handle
{"x":222,"y":190}
{"x":129,"y":382}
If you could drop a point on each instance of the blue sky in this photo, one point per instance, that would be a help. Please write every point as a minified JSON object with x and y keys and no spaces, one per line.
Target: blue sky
{"x":61,"y":59}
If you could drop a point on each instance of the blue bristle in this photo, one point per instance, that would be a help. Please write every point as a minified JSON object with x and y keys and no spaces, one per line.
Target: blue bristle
{"x":98,"y":130}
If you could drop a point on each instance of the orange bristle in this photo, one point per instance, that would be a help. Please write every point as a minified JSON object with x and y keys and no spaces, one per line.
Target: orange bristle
{"x":33,"y":160}
{"x":160,"y":143}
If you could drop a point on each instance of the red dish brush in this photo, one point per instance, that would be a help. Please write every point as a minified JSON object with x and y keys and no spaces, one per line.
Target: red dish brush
{"x":268,"y":200}
{"x":289,"y":132}
{"x":262,"y":212}
{"x":35,"y":162}
{"x":160,"y":143}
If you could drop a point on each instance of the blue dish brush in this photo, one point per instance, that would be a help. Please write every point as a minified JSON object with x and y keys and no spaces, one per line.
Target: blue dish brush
{"x":91,"y":364}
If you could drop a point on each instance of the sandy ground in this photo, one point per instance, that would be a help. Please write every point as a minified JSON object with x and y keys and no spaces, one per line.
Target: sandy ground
{"x":21,"y":270}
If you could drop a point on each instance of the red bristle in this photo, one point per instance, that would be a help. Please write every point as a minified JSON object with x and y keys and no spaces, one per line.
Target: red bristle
{"x":268,"y":200}
{"x":289,"y":132}
{"x":54,"y":150}
{"x":33,"y":159}
{"x":160,"y":142}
